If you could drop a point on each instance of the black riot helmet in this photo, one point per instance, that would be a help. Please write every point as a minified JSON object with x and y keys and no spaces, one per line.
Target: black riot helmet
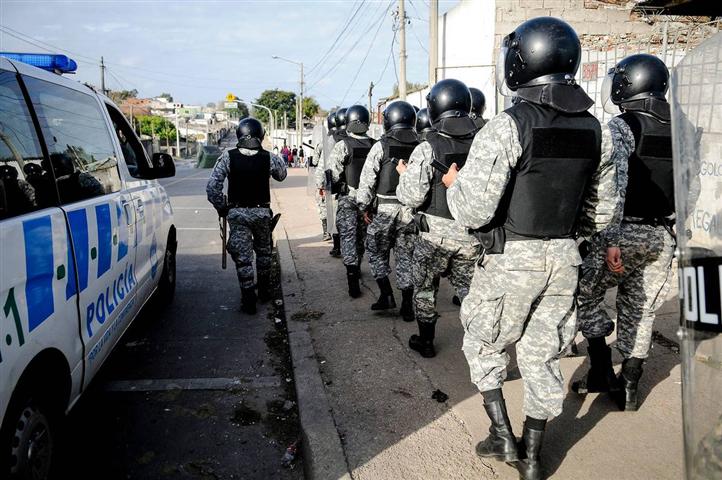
{"x":637,"y":77}
{"x":478,"y":103}
{"x":399,"y":114}
{"x":341,"y":119}
{"x":423,"y":124}
{"x":358,"y":119}
{"x":449,"y":98}
{"x":250,"y":133}
{"x":541,"y":51}
{"x":331,"y":122}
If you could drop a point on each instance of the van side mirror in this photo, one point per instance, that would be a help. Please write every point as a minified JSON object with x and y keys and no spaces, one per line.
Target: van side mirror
{"x":163,"y":166}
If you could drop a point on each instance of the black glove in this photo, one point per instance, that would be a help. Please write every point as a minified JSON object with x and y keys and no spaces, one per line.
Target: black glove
{"x":584,"y":248}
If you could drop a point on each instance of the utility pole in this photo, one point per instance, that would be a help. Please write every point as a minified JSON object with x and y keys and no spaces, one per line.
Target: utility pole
{"x":371,"y":94}
{"x":402,"y":51}
{"x":102,"y":76}
{"x":177,"y":134}
{"x":433,"y":40}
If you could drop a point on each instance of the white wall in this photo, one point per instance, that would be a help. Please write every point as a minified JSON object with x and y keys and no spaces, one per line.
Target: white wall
{"x":466,"y":39}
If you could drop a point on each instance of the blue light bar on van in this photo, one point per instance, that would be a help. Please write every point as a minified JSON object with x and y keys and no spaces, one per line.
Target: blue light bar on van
{"x":46,"y":61}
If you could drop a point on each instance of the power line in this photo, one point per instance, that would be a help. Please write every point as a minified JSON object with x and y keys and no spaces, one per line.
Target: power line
{"x":346,"y":54}
{"x":353,"y":44}
{"x":413,"y":31}
{"x":373,"y":41}
{"x":338,"y":37}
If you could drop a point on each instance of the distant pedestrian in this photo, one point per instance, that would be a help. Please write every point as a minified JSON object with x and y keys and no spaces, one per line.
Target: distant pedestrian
{"x":302,"y":157}
{"x":285,"y":153}
{"x":294,"y":152}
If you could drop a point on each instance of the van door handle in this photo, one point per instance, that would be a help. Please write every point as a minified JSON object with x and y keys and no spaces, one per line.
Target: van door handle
{"x":129,"y":213}
{"x":140,"y":207}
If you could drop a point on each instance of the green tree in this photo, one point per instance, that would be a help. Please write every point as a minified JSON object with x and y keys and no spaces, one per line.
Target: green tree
{"x":410,"y":87}
{"x":279,"y":100}
{"x":158,"y":127}
{"x":310,"y":107}
{"x":166,"y":95}
{"x":240,"y":112}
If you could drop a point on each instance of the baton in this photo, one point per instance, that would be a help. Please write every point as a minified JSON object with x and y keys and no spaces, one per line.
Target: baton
{"x":223,"y":223}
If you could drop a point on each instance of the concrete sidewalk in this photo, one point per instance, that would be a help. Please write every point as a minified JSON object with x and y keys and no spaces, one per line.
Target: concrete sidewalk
{"x":379,"y":392}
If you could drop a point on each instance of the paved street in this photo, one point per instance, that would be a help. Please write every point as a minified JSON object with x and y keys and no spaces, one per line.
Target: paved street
{"x":380,"y":392}
{"x":198,"y":390}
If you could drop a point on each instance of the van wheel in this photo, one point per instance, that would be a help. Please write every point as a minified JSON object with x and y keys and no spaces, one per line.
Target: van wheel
{"x":166,"y":284}
{"x":31,"y":443}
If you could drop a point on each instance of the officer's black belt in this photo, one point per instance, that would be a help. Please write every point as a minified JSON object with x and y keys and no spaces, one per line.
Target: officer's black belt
{"x":249,"y":205}
{"x":386,"y":201}
{"x":512,"y":237}
{"x":652,"y":222}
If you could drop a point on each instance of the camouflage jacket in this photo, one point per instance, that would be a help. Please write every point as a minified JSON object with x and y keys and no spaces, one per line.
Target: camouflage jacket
{"x":414,"y":186}
{"x":337,"y":162}
{"x":474,"y":197}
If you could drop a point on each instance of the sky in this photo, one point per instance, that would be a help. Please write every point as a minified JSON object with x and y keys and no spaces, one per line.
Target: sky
{"x":199,"y":51}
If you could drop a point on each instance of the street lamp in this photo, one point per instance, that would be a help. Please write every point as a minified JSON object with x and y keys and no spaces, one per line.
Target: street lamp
{"x":299,"y":110}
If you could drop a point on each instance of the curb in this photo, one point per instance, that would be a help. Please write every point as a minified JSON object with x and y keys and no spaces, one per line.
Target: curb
{"x":323,"y":454}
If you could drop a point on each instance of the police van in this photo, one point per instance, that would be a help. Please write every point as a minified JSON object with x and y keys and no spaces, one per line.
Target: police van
{"x":86,"y":237}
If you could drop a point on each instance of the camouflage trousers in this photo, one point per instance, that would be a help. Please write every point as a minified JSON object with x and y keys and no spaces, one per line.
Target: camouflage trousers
{"x":434,"y":255}
{"x":391,"y":228}
{"x":250,"y":231}
{"x":351,"y":229}
{"x":523,"y":296}
{"x":321,"y":206}
{"x":647,"y":254}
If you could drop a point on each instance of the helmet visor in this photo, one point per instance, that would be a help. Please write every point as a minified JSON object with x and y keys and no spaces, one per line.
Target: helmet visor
{"x":607,"y":103}
{"x":501,"y":84}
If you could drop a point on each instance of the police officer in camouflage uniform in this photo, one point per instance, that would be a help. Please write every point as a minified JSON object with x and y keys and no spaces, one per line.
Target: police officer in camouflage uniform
{"x":345,"y":165}
{"x":478,"y":105}
{"x":442,"y":245}
{"x":248,"y":168}
{"x":338,"y":132}
{"x":635,"y":252}
{"x":537,"y":175}
{"x":392,"y":224}
{"x":423,"y":124}
{"x":319,"y":177}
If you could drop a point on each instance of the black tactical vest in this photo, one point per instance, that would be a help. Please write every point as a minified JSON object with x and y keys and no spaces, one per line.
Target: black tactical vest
{"x":560,"y":154}
{"x":358,"y":149}
{"x":446,"y":150}
{"x":339,"y":135}
{"x":650,"y":186}
{"x":248,"y":178}
{"x":397,"y":146}
{"x":479,"y":122}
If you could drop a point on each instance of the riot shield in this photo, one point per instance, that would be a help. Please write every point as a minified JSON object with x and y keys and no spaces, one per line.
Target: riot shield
{"x":317,"y":139}
{"x":696,"y":96}
{"x":330,"y":200}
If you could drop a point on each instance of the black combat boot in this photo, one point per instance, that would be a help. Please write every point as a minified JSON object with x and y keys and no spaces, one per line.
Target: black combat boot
{"x":248,"y":300}
{"x":628,"y":398}
{"x":264,"y":288}
{"x":386,"y":298}
{"x":600,"y":377}
{"x":529,"y":450}
{"x":501,"y":442}
{"x":336,"y":250}
{"x":407,"y":305}
{"x":424,"y":341}
{"x":352,"y":275}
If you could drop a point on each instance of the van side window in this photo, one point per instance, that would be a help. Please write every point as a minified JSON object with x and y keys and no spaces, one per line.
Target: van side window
{"x":25,"y":183}
{"x":132,"y":149}
{"x":79,"y":143}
